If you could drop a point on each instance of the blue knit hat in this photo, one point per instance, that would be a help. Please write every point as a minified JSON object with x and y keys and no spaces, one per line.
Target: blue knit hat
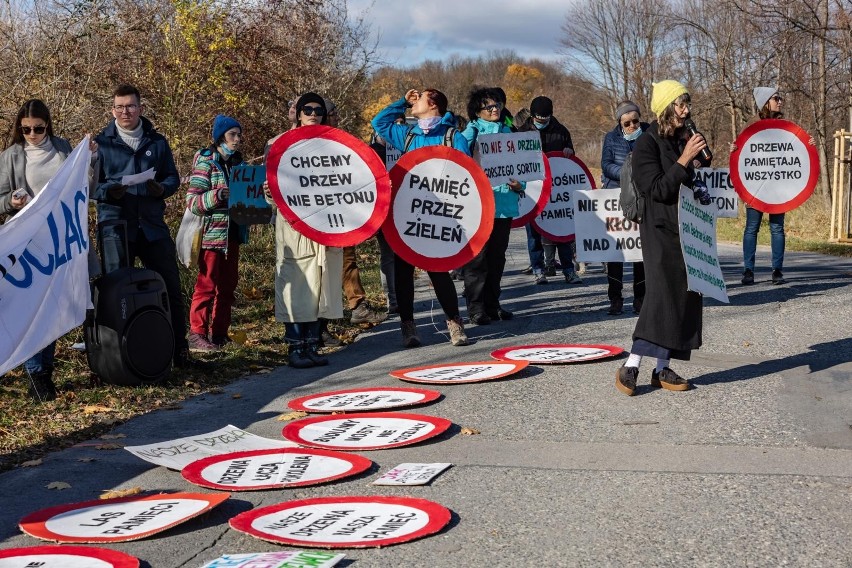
{"x":222,"y":124}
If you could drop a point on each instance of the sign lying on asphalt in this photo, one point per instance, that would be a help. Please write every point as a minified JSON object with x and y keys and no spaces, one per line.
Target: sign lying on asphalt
{"x":65,"y":557}
{"x":412,"y":474}
{"x":369,"y":431}
{"x":360,"y":400}
{"x":280,"y":559}
{"x":557,"y":354}
{"x":455,"y":373}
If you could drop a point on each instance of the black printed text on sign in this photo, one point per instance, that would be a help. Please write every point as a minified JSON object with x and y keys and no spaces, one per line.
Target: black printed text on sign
{"x":120,"y":519}
{"x":65,"y":557}
{"x":774,"y":168}
{"x":344,"y":522}
{"x":273,"y":469}
{"x":534,"y":198}
{"x":442,"y":209}
{"x":511,"y":156}
{"x":329,"y":185}
{"x":361,"y":400}
{"x":556,"y":220}
{"x":557,"y":354}
{"x":370,"y":431}
{"x":458,"y":373}
{"x":603,"y":234}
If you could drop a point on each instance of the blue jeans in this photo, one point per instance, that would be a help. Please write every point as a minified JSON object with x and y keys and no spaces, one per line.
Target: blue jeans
{"x":535,"y":249}
{"x":42,"y":361}
{"x":777,"y":240}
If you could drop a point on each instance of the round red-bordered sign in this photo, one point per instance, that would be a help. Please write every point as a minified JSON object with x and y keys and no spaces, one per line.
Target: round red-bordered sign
{"x":254,"y":470}
{"x":460,"y":373}
{"x":535,"y":198}
{"x":106,"y":520}
{"x":556,"y":353}
{"x":66,"y":557}
{"x":344,"y":522}
{"x":772,"y":153}
{"x":435,"y":221}
{"x":363,"y":400}
{"x":567,"y":174}
{"x":331,"y":187}
{"x":364,"y":431}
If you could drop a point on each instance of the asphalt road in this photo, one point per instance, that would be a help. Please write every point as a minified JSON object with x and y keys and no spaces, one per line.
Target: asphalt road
{"x":752,"y":467}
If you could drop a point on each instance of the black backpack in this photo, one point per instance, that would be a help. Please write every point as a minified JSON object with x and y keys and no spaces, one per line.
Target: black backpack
{"x":632,"y":202}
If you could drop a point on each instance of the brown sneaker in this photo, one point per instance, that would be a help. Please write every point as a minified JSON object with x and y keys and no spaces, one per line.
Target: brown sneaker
{"x":625,"y":379}
{"x":456,"y":329}
{"x":365,"y":314}
{"x":669,"y":380}
{"x":199,"y":344}
{"x":409,"y":334}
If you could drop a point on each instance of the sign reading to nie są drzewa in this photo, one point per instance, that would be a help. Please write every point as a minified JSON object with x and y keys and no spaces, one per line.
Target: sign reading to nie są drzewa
{"x":369,"y":431}
{"x":457,"y":373}
{"x":175,"y":454}
{"x":246,"y":203}
{"x":556,"y":220}
{"x":332,"y":187}
{"x":273,"y":469}
{"x":412,"y":474}
{"x":774,"y":167}
{"x":280,"y":559}
{"x":718,"y":182}
{"x":603,"y":234}
{"x":53,"y":556}
{"x":510,"y":156}
{"x":698,"y":245}
{"x":360,"y":400}
{"x":442,"y":211}
{"x":555,"y":354}
{"x":118,"y":520}
{"x":344,"y":522}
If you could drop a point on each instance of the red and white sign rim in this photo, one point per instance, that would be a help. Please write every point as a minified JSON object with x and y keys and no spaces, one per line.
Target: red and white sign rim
{"x":401,"y":373}
{"x":194,"y":472}
{"x":114,"y":557}
{"x":299,"y":403}
{"x":613,"y":351}
{"x":292,"y":430}
{"x":439,"y":517}
{"x":546,"y":188}
{"x":578,"y":161}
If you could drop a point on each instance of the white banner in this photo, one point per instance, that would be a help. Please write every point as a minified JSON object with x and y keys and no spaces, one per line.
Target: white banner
{"x":698,"y":246}
{"x":718,"y":182}
{"x":44,"y":290}
{"x":603,"y":234}
{"x":508,"y":156}
{"x":391,"y":156}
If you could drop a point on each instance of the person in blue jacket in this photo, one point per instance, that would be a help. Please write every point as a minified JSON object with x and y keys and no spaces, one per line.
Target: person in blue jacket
{"x":435,"y":127}
{"x":130,"y":145}
{"x":617,"y":144}
{"x":482,"y":275}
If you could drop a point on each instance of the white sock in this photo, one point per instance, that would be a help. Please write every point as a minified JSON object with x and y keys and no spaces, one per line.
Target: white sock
{"x":662,"y":364}
{"x":633,"y":361}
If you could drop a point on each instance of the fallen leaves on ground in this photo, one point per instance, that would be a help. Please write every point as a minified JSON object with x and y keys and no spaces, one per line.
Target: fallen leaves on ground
{"x":470,"y":431}
{"x":31,"y":463}
{"x":295,"y":415}
{"x":236,"y":395}
{"x":216,"y":390}
{"x":95,"y":408}
{"x":113,"y":493}
{"x":113,"y":436}
{"x":58,"y":485}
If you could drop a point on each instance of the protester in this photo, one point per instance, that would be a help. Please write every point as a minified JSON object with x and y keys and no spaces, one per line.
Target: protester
{"x":33,"y":157}
{"x":433,"y":124}
{"x":130,"y":145}
{"x":617,"y":145}
{"x":769,"y":104}
{"x":554,"y":138}
{"x":308,"y":275}
{"x":669,"y":325}
{"x":218,"y":260}
{"x":482,"y":275}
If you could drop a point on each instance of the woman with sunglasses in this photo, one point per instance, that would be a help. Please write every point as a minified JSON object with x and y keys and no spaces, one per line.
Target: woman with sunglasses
{"x":617,"y":145}
{"x":482,"y":275}
{"x":308,"y":275}
{"x":33,"y":157}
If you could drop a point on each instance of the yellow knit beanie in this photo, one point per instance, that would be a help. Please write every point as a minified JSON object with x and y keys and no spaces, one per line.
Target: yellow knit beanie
{"x":664,"y":94}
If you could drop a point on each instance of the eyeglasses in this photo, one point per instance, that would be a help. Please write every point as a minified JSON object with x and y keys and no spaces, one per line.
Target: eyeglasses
{"x":313,"y":111}
{"x":122,"y":108}
{"x":492,"y":108}
{"x":35,"y":129}
{"x":777,"y":98}
{"x":632,"y":122}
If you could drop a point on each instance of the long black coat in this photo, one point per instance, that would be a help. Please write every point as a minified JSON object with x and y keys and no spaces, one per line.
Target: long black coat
{"x":671,"y":315}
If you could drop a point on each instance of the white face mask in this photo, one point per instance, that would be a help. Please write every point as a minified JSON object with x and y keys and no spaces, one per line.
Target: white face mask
{"x":633,"y":135}
{"x":541,"y":125}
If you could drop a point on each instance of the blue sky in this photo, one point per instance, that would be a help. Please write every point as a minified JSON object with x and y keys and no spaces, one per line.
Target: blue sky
{"x":412,"y":32}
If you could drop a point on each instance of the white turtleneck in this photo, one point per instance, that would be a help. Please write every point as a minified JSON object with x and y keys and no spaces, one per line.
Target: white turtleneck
{"x":43,"y":162}
{"x":131,"y":137}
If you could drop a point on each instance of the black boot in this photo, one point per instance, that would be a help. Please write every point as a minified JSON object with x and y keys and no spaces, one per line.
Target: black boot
{"x":312,"y":340}
{"x":296,"y":346}
{"x":42,"y":388}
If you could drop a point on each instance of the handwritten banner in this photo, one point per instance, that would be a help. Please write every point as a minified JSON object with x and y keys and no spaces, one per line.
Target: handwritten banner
{"x":360,"y":400}
{"x":698,"y":245}
{"x":511,"y":156}
{"x":412,"y":474}
{"x":246,"y":202}
{"x":370,"y":431}
{"x":456,"y":373}
{"x":718,"y":182}
{"x":53,"y":556}
{"x":556,"y":220}
{"x":603,"y":234}
{"x":556,"y":354}
{"x":280,"y":559}
{"x":534,"y":198}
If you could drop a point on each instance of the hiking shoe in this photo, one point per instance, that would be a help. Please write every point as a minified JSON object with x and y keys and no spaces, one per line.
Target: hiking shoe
{"x":572,"y":278}
{"x":540,"y":278}
{"x":456,"y":329}
{"x":616,"y":307}
{"x":777,"y":277}
{"x":365,"y":314}
{"x":409,"y":334}
{"x":748,"y":277}
{"x":669,"y":380}
{"x":480,"y":319}
{"x":550,"y":271}
{"x":199,"y":344}
{"x":625,"y":379}
{"x":637,"y":305}
{"x":528,"y":270}
{"x":328,"y":340}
